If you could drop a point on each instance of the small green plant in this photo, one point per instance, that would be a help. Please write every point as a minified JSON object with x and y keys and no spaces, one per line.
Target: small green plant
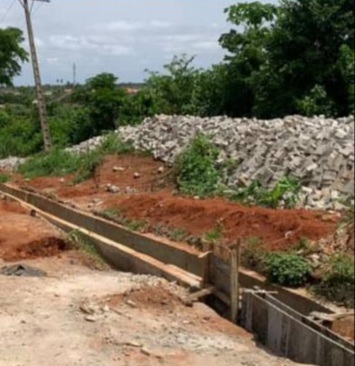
{"x":196,"y":173}
{"x":88,"y":166}
{"x":110,"y":213}
{"x":178,"y":234}
{"x":4,"y":178}
{"x":214,"y":236}
{"x":306,"y":247}
{"x":79,"y":241}
{"x":136,"y":225}
{"x":287,"y":269}
{"x":112,"y":144}
{"x":286,"y":190}
{"x":253,"y":255}
{"x":338,"y":281}
{"x":54,"y":163}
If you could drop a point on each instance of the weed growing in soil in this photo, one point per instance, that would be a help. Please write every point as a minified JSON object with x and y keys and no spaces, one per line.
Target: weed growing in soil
{"x":60,"y":162}
{"x":4,"y":178}
{"x":214,"y":236}
{"x":287,"y":269}
{"x":196,"y":173}
{"x":112,"y":144}
{"x":178,"y":234}
{"x":136,"y":225}
{"x":286,"y":191}
{"x":253,"y":255}
{"x":338,"y":281}
{"x":54,"y":163}
{"x":78,"y":241}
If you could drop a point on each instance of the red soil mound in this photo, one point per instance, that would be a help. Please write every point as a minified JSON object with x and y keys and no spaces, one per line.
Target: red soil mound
{"x":276,"y":229}
{"x":46,"y":247}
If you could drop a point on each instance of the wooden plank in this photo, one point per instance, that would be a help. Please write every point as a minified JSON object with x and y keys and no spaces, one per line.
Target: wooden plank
{"x":234,"y":278}
{"x":197,"y":296}
{"x":206,"y":267}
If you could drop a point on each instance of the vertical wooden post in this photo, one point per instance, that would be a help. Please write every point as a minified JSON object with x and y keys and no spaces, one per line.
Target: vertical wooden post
{"x":206,"y":268}
{"x":234,"y":279}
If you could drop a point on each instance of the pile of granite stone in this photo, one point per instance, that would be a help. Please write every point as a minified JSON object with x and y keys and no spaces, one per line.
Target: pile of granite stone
{"x":319,"y":152}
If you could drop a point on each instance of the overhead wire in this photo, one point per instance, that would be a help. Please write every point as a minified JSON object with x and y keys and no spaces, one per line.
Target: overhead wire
{"x":7,"y":11}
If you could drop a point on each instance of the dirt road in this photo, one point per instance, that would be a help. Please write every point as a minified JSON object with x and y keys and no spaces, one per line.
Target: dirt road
{"x":77,"y":316}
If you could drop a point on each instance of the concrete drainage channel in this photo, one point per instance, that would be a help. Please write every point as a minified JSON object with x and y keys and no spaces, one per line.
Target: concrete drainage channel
{"x":278,"y":317}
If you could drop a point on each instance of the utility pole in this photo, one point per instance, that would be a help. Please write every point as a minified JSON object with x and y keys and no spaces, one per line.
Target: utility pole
{"x":74,"y":74}
{"x":39,"y":90}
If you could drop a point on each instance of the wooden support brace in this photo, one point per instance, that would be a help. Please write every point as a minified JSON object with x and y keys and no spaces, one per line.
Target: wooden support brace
{"x":206,"y":268}
{"x":234,"y":279}
{"x":197,"y":296}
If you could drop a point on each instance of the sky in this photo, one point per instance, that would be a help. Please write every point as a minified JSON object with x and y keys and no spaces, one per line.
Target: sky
{"x":123,"y":37}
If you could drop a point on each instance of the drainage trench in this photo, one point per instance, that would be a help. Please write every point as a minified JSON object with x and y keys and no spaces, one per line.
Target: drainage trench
{"x":278,"y":317}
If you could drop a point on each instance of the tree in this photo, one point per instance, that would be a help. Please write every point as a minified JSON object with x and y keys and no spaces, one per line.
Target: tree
{"x":172,"y":92}
{"x":103,"y":99}
{"x":305,"y":51}
{"x":11,"y":54}
{"x":292,"y":58}
{"x":246,"y":46}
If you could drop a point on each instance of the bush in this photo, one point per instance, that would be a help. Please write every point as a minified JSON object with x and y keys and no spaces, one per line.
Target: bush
{"x":195,"y":168}
{"x":60,"y":162}
{"x":287,"y":269}
{"x":338,"y":281}
{"x":286,"y":191}
{"x":55,"y":163}
{"x":4,"y":178}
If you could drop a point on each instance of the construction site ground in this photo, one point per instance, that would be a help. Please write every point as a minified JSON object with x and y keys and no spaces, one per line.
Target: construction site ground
{"x":146,"y":193}
{"x":84,"y":314}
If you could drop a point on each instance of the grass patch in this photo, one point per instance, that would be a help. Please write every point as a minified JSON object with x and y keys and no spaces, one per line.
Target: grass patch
{"x":285,"y":194}
{"x":338,"y":281}
{"x":60,"y":162}
{"x":55,"y":163}
{"x":214,"y":236}
{"x":136,"y":225}
{"x":253,"y":254}
{"x":80,"y":242}
{"x":4,"y":178}
{"x":196,"y":173}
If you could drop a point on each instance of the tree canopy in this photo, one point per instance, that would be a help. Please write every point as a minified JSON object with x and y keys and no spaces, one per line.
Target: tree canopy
{"x":11,"y":54}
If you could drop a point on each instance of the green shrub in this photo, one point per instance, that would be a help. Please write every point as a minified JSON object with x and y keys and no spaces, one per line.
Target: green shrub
{"x":253,"y":254}
{"x":214,"y":236}
{"x":87,"y":165}
{"x":287,"y":269}
{"x":60,"y":162}
{"x":112,"y":144}
{"x":4,"y":178}
{"x":286,"y":190}
{"x":338,"y":281}
{"x":195,"y":168}
{"x":54,"y":163}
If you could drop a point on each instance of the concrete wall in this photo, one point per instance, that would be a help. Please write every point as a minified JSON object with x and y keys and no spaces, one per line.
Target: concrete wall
{"x":288,"y":336}
{"x":168,"y":253}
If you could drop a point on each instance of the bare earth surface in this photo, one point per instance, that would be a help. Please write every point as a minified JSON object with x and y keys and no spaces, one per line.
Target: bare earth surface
{"x":152,"y":198}
{"x":77,"y":316}
{"x":80,"y":316}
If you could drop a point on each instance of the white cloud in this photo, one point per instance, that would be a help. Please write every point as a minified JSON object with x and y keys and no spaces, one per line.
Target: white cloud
{"x":103,"y":44}
{"x":122,"y":25}
{"x":52,"y":60}
{"x":206,"y":45}
{"x":160,"y":24}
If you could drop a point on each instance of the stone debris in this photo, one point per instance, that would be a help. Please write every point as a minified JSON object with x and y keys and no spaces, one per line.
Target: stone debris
{"x":11,"y":163}
{"x":319,"y":152}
